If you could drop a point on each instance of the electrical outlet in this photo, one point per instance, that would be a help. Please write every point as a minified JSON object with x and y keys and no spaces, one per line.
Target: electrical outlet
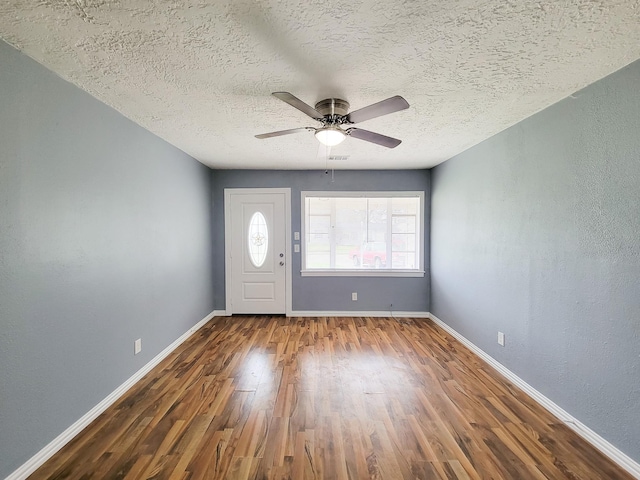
{"x":137,"y":346}
{"x":501,"y":338}
{"x":354,"y":296}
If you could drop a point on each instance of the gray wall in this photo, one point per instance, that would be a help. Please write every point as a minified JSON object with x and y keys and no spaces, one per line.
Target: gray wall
{"x":536,"y":233}
{"x":105,"y":237}
{"x":329,"y":293}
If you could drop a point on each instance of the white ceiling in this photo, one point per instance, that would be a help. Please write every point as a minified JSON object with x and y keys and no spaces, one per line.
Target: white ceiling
{"x":199,"y":74}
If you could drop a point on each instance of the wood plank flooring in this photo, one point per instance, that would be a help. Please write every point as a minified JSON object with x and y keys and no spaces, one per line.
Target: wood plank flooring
{"x":334,"y":398}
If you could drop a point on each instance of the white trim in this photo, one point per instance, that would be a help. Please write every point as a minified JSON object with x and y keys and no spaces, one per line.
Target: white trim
{"x":363,"y":193}
{"x":362,"y":273}
{"x":65,"y":437}
{"x":289,"y":250}
{"x":619,"y":457}
{"x":227,"y":243}
{"x":355,"y":313}
{"x":221,"y":313}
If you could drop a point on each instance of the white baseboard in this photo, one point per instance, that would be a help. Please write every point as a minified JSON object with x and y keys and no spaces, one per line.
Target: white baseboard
{"x":220,"y":313}
{"x":65,"y":437}
{"x":619,"y":457}
{"x":354,"y":313}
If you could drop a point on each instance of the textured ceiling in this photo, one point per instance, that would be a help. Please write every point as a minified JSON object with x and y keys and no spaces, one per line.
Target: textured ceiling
{"x":200,"y":74}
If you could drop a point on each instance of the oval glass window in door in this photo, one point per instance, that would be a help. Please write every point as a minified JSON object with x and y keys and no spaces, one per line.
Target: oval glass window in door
{"x":258,"y":239}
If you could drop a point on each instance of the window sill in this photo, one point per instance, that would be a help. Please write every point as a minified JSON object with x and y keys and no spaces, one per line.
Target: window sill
{"x":362,"y":273}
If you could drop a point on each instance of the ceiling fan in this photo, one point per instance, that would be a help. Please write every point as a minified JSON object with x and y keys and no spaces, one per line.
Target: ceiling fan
{"x":333,"y":113}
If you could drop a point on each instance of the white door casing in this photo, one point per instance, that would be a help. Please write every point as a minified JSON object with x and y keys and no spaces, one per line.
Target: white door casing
{"x":258,"y":287}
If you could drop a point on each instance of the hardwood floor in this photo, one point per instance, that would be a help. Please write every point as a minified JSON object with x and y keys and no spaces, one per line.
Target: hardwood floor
{"x":336,"y":398}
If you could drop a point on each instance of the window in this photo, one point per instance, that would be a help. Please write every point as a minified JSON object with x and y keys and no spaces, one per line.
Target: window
{"x":363,"y":233}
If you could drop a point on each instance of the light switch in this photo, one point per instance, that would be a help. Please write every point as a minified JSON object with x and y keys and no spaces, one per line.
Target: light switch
{"x":296,"y":235}
{"x":296,"y":247}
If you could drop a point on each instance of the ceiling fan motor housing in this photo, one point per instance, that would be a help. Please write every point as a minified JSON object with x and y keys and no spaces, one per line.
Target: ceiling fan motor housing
{"x":333,"y":106}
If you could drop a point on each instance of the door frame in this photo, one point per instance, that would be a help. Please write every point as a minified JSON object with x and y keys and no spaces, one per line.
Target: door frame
{"x":227,"y":242}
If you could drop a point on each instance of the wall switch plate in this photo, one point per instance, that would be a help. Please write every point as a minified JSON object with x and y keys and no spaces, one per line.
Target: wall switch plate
{"x":296,"y":247}
{"x":296,"y":235}
{"x":354,"y":296}
{"x":137,"y":346}
{"x":501,"y":338}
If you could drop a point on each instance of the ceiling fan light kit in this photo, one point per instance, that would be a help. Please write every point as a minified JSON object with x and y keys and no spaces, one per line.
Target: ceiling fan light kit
{"x":330,"y":136}
{"x":334,"y":112}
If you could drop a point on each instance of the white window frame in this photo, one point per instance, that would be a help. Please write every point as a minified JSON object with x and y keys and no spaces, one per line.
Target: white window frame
{"x":344,"y":272}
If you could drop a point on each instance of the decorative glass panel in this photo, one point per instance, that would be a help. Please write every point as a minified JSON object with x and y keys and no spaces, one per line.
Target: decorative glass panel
{"x":258,"y":239}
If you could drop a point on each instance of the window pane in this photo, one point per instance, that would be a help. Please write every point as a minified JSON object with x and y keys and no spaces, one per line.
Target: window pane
{"x":404,"y":224}
{"x":318,"y":260}
{"x":405,"y":205}
{"x":377,"y":220}
{"x":318,"y":243}
{"x":404,"y":260}
{"x":320,"y":206}
{"x":403,"y":242}
{"x":319,"y":225}
{"x":350,"y":220}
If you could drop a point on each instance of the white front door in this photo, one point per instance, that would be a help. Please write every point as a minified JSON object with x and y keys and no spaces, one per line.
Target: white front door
{"x":256,"y":239}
